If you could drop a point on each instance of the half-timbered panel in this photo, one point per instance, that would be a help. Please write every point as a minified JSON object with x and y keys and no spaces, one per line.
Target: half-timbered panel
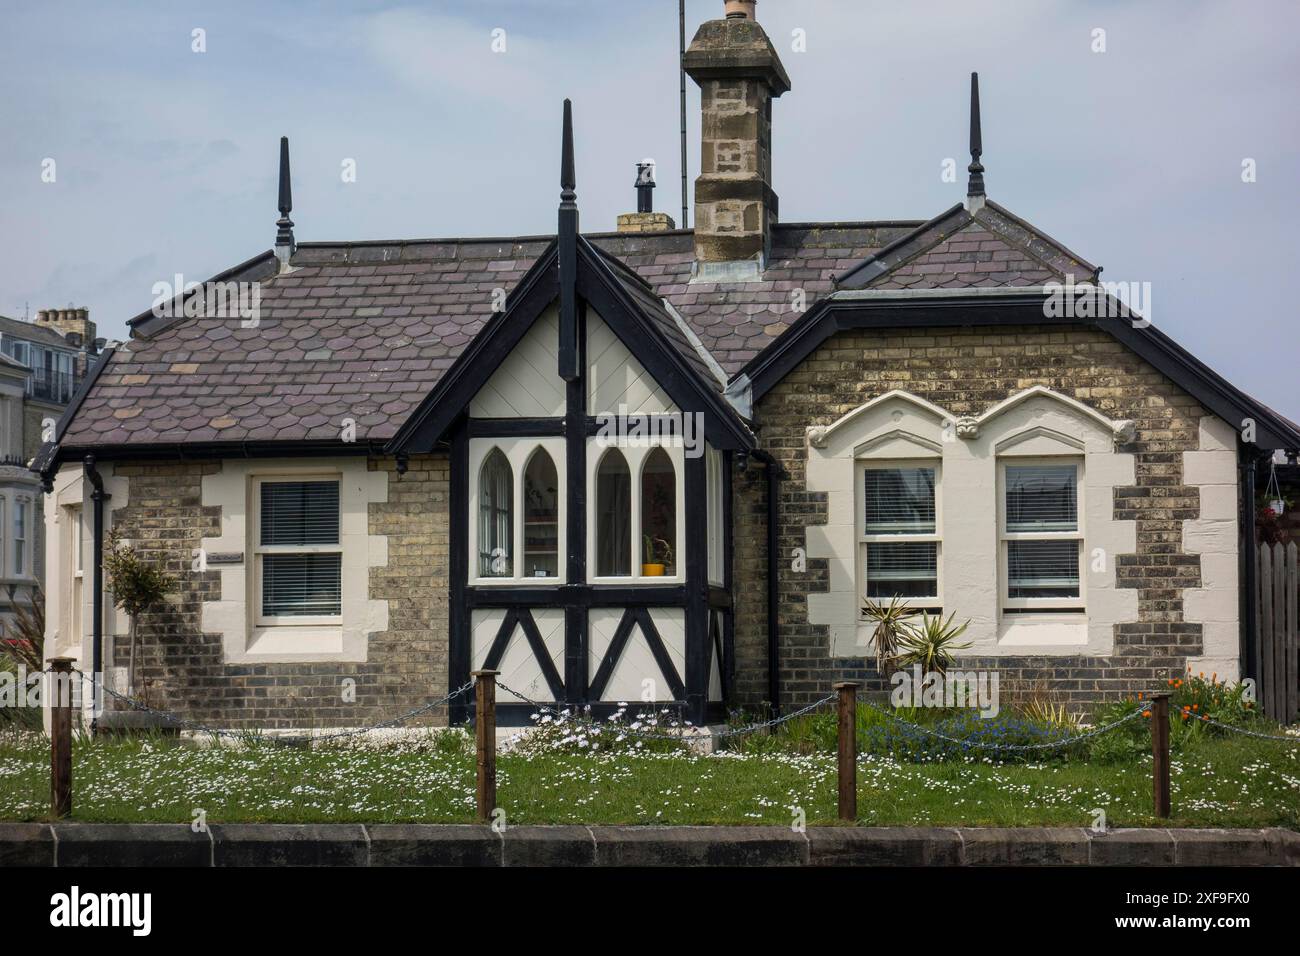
{"x":526,"y":384}
{"x":525,"y":645}
{"x":637,"y":654}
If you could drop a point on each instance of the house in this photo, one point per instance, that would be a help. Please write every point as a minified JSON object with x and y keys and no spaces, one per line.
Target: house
{"x":657,"y":464}
{"x":41,"y":363}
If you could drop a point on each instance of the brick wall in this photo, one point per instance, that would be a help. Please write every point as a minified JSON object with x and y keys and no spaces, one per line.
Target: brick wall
{"x":966,"y":371}
{"x":181,"y":669}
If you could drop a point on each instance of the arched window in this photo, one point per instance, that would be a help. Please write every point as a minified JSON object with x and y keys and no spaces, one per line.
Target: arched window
{"x":541,"y":517}
{"x":658,"y":515}
{"x":613,"y":516}
{"x":495,"y":517}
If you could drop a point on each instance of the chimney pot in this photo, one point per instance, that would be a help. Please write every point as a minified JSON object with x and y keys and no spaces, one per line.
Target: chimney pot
{"x":741,"y":9}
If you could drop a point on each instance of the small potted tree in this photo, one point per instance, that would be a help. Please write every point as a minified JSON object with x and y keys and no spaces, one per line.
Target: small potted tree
{"x":136,"y":585}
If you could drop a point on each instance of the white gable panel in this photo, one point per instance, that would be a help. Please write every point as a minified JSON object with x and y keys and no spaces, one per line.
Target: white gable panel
{"x":527,"y":384}
{"x":615,"y":378}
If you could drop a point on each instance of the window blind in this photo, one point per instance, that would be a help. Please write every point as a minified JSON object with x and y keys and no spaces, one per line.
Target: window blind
{"x":1037,"y":569}
{"x":1042,"y":498}
{"x":301,"y":585}
{"x":904,"y":568}
{"x":899,"y":500}
{"x":300,"y":513}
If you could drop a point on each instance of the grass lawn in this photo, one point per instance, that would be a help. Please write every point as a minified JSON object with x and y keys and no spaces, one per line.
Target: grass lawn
{"x":1236,"y":782}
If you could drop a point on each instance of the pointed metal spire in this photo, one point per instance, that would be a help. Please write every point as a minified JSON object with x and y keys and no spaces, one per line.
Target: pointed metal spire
{"x":567,"y":249}
{"x":284,"y":225}
{"x":975,"y":186}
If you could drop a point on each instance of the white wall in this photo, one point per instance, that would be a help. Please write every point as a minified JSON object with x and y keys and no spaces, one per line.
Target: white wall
{"x":1214,"y":605}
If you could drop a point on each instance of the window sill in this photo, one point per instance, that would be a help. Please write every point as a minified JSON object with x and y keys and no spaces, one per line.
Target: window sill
{"x":1030,"y":631}
{"x":292,"y":643}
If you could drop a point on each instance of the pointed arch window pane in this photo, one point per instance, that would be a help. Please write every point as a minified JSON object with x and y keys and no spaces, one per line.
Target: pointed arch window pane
{"x":495,"y":517}
{"x":658,"y":515}
{"x":613,"y":516}
{"x":541,"y":517}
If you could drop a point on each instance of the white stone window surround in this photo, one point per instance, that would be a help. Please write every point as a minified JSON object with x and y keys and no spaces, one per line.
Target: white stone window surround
{"x":233,"y":617}
{"x":1036,"y":422}
{"x":635,"y":452}
{"x":257,"y":551}
{"x":518,"y":452}
{"x":1010,"y":605}
{"x":871,"y":455}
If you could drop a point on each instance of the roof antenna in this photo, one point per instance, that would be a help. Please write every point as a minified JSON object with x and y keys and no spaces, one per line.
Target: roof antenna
{"x":975,"y":186}
{"x":567,"y":250}
{"x":284,"y":242}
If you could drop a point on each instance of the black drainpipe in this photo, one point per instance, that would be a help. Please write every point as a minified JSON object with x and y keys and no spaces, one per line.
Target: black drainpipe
{"x":1248,"y":560}
{"x":97,"y":579}
{"x":774,"y":475}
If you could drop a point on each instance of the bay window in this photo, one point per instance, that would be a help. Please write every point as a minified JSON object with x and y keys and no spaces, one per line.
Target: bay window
{"x":1042,"y":539}
{"x":298,"y":553}
{"x":898,"y":533}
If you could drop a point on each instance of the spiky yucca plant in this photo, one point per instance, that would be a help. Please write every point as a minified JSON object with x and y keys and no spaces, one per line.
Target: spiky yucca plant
{"x":890,"y":620}
{"x":931,"y":643}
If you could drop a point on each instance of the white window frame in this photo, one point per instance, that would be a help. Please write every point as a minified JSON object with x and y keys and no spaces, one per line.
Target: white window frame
{"x":259,"y":550}
{"x":1043,"y":605}
{"x":23,"y":543}
{"x":863,"y":465}
{"x":635,"y":454}
{"x":518,"y":452}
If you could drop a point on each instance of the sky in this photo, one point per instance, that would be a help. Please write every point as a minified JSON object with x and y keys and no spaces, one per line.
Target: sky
{"x":1132,"y":146}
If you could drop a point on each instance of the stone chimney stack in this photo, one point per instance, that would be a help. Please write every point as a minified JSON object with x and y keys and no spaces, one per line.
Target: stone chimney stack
{"x":73,"y":324}
{"x":739,"y":74}
{"x":645,"y":219}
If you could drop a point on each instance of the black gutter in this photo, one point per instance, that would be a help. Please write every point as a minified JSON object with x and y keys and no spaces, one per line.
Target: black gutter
{"x":97,"y":564}
{"x":184,"y":451}
{"x":774,"y":475}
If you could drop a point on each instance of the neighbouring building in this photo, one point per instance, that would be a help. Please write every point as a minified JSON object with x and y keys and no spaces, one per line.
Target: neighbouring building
{"x":658,"y":464}
{"x":41,"y":364}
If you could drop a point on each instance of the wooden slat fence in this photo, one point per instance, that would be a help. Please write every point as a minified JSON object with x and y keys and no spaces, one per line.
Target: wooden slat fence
{"x":1279,"y":631}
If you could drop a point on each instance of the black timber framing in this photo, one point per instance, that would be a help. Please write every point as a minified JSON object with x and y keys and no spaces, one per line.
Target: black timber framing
{"x":515,"y":427}
{"x":576,"y":618}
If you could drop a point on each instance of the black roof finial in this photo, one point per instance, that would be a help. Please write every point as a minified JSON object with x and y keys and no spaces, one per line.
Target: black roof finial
{"x":568,"y":180}
{"x":975,"y":187}
{"x":567,"y":252}
{"x":284,"y":225}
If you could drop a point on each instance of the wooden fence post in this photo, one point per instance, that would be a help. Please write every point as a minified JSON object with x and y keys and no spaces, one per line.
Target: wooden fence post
{"x":60,"y":690}
{"x":848,"y":749}
{"x":485,"y":739}
{"x":1160,"y":753}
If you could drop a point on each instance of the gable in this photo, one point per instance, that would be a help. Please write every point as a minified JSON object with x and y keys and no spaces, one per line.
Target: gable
{"x":960,"y":250}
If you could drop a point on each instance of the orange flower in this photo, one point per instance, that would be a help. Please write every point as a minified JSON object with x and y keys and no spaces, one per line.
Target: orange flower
{"x":1146,"y":713}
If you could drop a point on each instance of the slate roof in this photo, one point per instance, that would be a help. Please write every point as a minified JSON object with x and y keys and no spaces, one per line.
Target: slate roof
{"x":957,"y":250}
{"x":19,"y":329}
{"x":364,"y":330}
